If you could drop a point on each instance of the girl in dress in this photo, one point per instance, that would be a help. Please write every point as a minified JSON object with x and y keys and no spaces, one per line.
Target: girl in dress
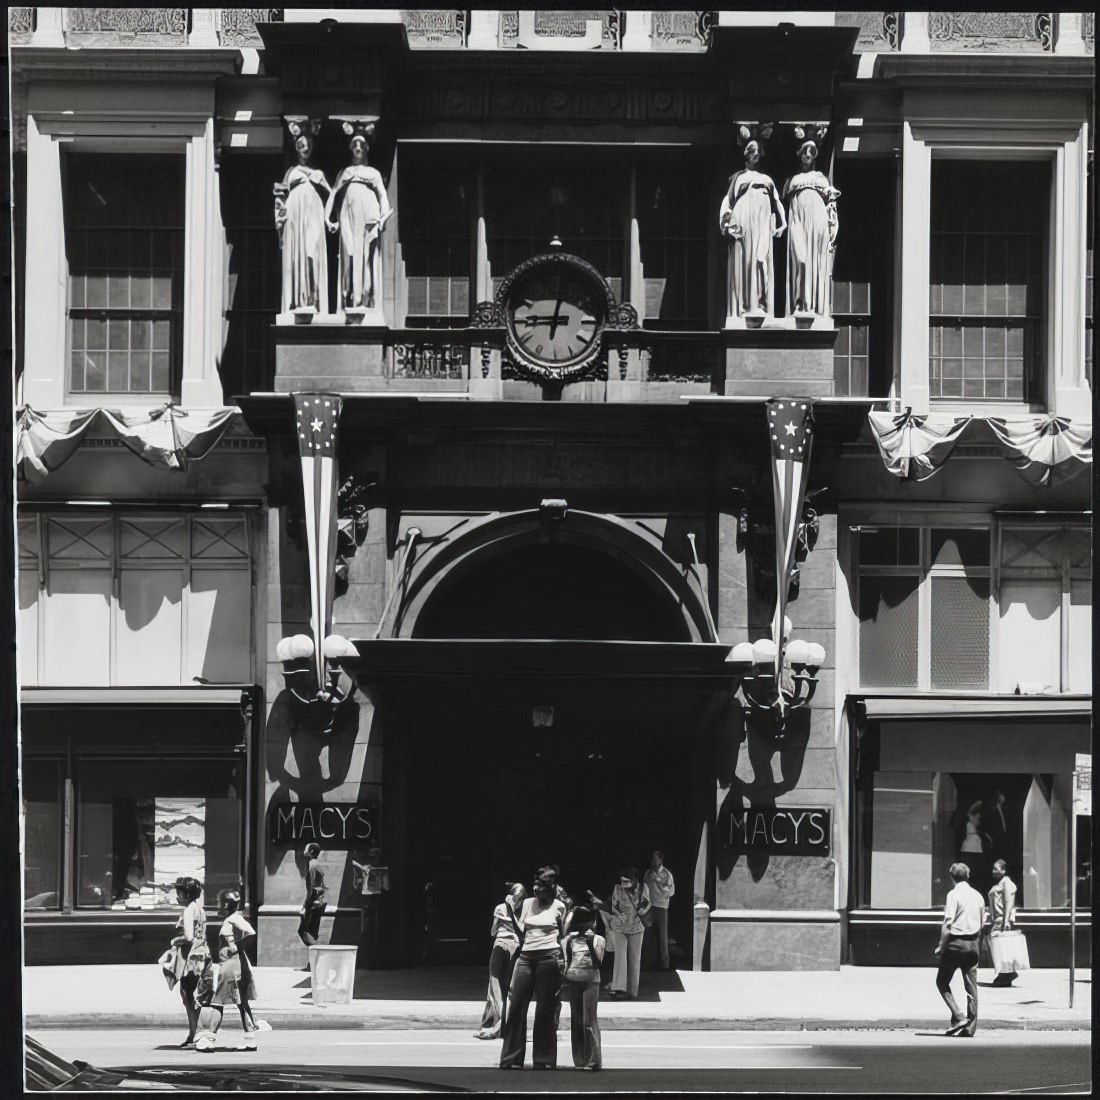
{"x":194,"y":985}
{"x":811,"y":236}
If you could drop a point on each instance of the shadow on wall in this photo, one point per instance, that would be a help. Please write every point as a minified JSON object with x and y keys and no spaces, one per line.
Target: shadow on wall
{"x":744,"y":729}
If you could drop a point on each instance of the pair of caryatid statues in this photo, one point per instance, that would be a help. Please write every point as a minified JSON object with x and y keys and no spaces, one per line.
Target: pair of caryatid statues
{"x":752,"y":215}
{"x":356,"y":207}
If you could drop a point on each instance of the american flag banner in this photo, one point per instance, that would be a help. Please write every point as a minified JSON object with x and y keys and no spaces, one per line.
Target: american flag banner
{"x":790,"y":428}
{"x":317,"y":417}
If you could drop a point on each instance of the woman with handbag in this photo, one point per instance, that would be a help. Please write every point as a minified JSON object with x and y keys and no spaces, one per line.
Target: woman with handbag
{"x":502,"y":960}
{"x":536,"y":974}
{"x":1001,"y":916}
{"x":190,"y":939}
{"x":629,"y":916}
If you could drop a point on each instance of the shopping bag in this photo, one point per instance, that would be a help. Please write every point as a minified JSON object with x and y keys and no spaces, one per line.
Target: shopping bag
{"x":171,"y":965}
{"x":1009,"y":951}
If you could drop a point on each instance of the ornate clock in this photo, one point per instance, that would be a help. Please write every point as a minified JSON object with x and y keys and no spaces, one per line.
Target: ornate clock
{"x":555,"y":308}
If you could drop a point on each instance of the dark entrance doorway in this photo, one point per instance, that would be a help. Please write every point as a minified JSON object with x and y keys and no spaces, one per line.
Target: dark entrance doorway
{"x":489,"y":796}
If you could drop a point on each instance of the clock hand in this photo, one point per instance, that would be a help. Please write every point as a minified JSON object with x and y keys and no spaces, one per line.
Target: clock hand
{"x":556,"y":319}
{"x":544,"y":319}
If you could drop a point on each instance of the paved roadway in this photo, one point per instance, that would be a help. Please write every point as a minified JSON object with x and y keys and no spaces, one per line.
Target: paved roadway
{"x":1028,"y":1062}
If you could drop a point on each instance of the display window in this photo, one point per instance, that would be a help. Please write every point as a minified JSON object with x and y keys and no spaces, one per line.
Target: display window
{"x":42,"y":817}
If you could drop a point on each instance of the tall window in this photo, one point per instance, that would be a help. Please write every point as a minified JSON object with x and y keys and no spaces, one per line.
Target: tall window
{"x":127,"y":600}
{"x":988,"y":279}
{"x":124,"y":219}
{"x":924,"y":598}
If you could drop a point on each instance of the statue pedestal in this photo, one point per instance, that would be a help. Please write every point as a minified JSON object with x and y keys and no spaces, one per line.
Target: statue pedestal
{"x":370,"y":318}
{"x":781,"y":360}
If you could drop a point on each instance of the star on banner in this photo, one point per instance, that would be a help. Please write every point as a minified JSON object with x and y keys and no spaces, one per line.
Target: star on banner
{"x":316,"y":417}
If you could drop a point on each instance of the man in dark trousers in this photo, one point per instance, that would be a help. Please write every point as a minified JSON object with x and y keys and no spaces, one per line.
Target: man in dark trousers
{"x":958,"y":949}
{"x":313,"y":908}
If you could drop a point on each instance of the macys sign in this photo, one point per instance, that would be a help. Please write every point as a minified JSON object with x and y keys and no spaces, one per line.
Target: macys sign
{"x":330,"y":824}
{"x":782,"y":830}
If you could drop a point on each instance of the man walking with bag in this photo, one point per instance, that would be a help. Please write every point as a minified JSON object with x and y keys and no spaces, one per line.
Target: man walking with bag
{"x":1002,"y":916}
{"x":958,"y":950}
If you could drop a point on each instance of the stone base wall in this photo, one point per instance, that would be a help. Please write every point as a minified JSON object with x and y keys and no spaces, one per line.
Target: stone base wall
{"x":774,"y":941}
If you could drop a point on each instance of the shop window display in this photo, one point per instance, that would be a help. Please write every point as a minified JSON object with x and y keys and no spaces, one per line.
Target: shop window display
{"x":144,"y":823}
{"x":42,"y":832}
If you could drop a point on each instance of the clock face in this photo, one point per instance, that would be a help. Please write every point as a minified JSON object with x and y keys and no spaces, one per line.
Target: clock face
{"x":555,"y":309}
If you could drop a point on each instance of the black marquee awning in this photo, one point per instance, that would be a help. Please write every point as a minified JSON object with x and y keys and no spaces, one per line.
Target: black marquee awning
{"x":382,"y":659}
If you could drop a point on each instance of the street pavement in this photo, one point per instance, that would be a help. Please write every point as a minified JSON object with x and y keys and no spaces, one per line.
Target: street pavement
{"x":89,"y":996}
{"x":830,"y":1062}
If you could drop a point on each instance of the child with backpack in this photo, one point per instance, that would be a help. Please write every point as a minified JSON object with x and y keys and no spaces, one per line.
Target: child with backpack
{"x":582,"y":953}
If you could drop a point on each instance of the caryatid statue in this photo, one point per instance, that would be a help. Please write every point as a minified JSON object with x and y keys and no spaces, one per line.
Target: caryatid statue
{"x":359,"y":196}
{"x":300,"y":220}
{"x":750,"y":217}
{"x":811,"y":230}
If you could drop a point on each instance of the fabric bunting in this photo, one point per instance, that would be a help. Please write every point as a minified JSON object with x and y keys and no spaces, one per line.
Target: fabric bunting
{"x":1046,"y":451}
{"x":167,"y":436}
{"x":913,"y":445}
{"x":317,"y":417}
{"x":790,"y":428}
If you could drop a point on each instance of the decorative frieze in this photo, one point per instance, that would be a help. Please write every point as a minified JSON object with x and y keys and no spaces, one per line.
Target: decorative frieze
{"x":1031,"y":31}
{"x":555,"y":26}
{"x":20,"y":25}
{"x":429,"y":361}
{"x":879,"y":31}
{"x":126,"y":26}
{"x":1088,"y":30}
{"x":435,"y":28}
{"x":237,"y":26}
{"x":683,"y":31}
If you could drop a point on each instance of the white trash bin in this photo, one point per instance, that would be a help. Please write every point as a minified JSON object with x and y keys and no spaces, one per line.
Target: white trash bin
{"x":332,"y":973}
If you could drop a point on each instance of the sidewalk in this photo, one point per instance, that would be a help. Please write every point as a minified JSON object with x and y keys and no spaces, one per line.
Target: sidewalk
{"x":453,"y":997}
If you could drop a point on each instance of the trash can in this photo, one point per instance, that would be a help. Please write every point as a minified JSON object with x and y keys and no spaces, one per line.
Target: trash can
{"x":332,"y":973}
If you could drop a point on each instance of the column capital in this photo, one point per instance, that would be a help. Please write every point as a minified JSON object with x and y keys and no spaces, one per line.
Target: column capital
{"x":204,"y":28}
{"x":49,"y":27}
{"x":914,"y":36}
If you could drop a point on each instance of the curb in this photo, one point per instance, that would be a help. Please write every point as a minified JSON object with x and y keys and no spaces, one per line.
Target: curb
{"x":298,"y":1021}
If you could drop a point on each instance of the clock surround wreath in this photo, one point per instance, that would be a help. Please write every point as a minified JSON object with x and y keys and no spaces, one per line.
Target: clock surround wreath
{"x":555,"y":308}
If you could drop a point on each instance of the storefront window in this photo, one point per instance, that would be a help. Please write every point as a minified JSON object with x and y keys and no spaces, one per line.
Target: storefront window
{"x":42,"y":824}
{"x":143,"y":823}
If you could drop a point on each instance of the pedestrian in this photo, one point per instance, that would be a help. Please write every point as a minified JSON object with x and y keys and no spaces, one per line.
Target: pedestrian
{"x":582,"y":954}
{"x":628,"y":910}
{"x":1002,"y":912}
{"x":234,"y":983}
{"x":659,"y":882}
{"x":502,"y":960}
{"x":313,"y":908}
{"x":536,"y":974}
{"x":958,"y":949}
{"x":190,"y":938}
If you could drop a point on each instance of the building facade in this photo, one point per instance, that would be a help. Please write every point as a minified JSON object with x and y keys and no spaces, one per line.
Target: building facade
{"x":427,"y":421}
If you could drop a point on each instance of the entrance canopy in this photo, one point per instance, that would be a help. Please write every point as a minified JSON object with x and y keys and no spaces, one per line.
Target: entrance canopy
{"x":382,"y":659}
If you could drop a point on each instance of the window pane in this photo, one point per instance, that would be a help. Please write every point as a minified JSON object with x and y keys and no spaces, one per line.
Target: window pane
{"x":142,"y":823}
{"x":888,"y":611}
{"x":1032,"y":548}
{"x":901,"y":857}
{"x":890,"y":546}
{"x":148,"y":633}
{"x":28,"y":626}
{"x":219,"y":625}
{"x":42,"y":820}
{"x":77,"y":627}
{"x":960,"y":547}
{"x":1030,"y":639}
{"x":164,"y":539}
{"x":960,"y":632}
{"x":1046,"y":820}
{"x":73,"y":538}
{"x":1080,"y":636}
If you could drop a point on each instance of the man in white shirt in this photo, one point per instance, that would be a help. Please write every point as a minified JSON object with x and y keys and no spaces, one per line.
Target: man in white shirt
{"x":958,"y":949}
{"x":1002,"y":911}
{"x":661,"y":888}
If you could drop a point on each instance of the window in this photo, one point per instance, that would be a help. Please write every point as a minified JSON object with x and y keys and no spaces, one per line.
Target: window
{"x":124,"y":218}
{"x":143,"y":823}
{"x":988,"y":279}
{"x":41,"y":781}
{"x":931,"y":793}
{"x":111,"y":600}
{"x":924,"y":607}
{"x":1045,"y":607}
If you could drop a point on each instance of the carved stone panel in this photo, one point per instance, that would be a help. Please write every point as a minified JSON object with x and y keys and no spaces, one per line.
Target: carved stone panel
{"x":563,"y":25}
{"x":435,"y":28}
{"x":1088,"y":30}
{"x":237,"y":26}
{"x":1030,"y":31}
{"x":20,"y":25}
{"x":126,"y":26}
{"x":879,"y":31}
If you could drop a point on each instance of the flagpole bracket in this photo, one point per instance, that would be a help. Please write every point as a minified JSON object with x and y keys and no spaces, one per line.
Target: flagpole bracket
{"x":317,"y":705}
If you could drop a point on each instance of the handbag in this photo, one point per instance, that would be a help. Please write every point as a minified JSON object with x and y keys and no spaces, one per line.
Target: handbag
{"x":171,"y":964}
{"x":1009,"y":952}
{"x":647,"y":917}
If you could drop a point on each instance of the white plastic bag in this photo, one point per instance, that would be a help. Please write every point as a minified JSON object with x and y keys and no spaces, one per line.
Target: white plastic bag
{"x":1009,"y":952}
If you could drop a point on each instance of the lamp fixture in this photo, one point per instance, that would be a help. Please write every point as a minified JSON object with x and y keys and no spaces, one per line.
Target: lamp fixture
{"x":319,"y":702}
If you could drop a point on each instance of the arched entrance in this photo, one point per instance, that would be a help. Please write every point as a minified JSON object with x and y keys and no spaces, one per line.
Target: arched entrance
{"x":501,"y":772}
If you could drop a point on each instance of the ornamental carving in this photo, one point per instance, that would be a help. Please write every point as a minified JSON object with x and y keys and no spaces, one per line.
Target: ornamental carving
{"x":687,"y":31}
{"x":991,"y":30}
{"x":20,"y":25}
{"x":435,"y":28}
{"x":237,"y":26}
{"x":1088,"y":30}
{"x":879,"y":31}
{"x":126,"y":26}
{"x":446,"y":361}
{"x":563,"y":25}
